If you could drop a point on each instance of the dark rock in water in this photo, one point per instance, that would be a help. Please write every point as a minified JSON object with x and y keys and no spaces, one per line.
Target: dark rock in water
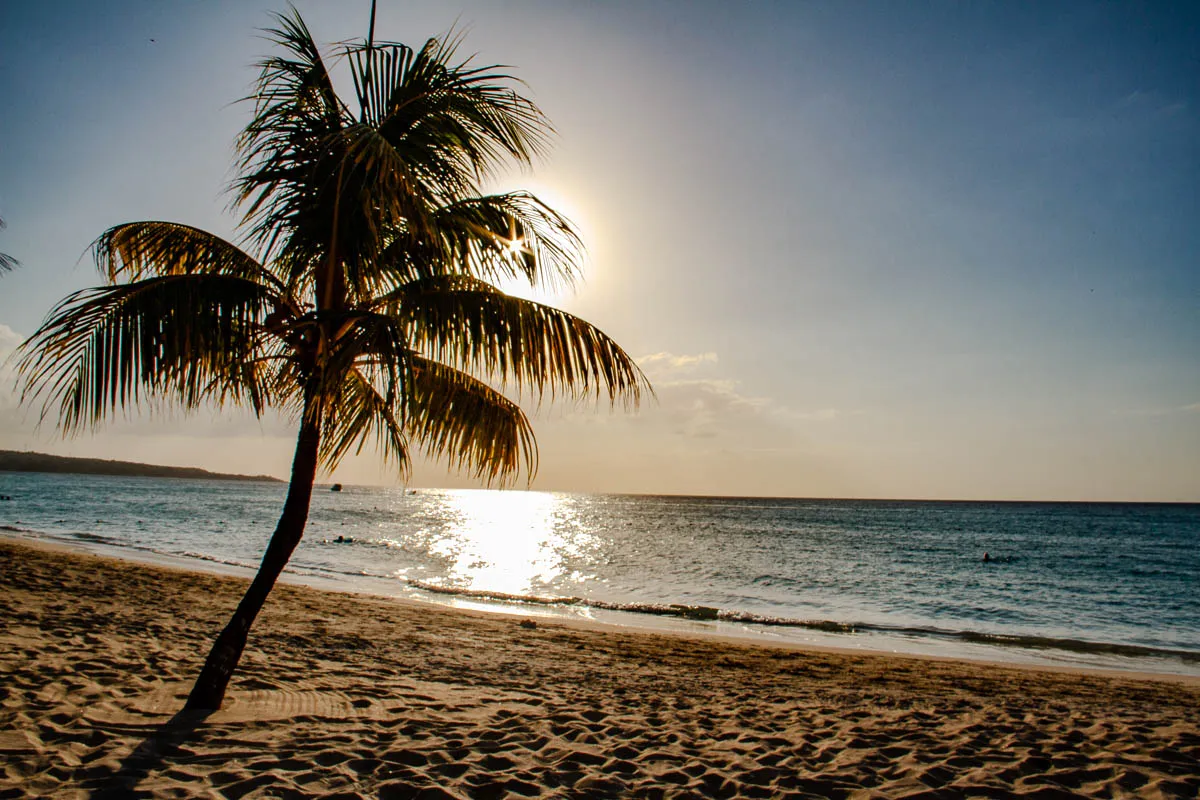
{"x":528,"y":624}
{"x":337,"y":487}
{"x":695,"y":612}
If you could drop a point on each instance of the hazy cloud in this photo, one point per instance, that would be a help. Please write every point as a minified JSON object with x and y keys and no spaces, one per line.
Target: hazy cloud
{"x":815,"y":415}
{"x":9,"y":339}
{"x":703,"y":409}
{"x":708,"y":408}
{"x":9,"y":414}
{"x":665,"y":364}
{"x":1151,"y":101}
{"x":1161,"y":411}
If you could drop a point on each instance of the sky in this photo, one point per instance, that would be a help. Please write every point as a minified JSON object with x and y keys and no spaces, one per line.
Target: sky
{"x":931,"y":250}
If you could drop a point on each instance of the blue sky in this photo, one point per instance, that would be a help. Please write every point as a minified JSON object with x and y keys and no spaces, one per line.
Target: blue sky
{"x":863,"y":249}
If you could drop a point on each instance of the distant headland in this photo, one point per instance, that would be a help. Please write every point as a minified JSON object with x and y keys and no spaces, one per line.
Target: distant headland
{"x":15,"y":461}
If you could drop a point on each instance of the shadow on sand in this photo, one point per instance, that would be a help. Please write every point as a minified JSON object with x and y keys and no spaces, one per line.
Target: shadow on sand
{"x":150,"y":754}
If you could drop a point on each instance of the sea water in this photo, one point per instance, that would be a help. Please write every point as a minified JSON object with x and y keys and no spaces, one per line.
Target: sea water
{"x":1091,"y":584}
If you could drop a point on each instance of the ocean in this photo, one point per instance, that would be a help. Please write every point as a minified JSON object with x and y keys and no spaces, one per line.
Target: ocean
{"x":1072,"y":584}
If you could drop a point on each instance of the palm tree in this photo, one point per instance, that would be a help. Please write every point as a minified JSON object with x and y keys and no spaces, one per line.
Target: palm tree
{"x":7,"y":262}
{"x":367,"y":308}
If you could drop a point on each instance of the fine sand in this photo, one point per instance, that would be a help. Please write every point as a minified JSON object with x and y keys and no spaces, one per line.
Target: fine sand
{"x":356,"y":697}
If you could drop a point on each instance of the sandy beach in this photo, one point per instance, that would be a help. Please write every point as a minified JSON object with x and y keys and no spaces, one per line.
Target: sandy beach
{"x":358,"y":697}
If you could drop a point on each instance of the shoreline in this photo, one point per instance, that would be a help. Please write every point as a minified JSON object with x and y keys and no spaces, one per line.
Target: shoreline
{"x":517,"y":613}
{"x":379,"y":698}
{"x":1100,"y":657}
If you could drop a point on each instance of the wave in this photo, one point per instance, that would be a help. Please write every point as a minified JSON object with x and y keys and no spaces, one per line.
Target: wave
{"x":1078,"y":646}
{"x":698,"y":612}
{"x":97,"y":538}
{"x":123,"y":544}
{"x":201,"y":557}
{"x":1001,"y":641}
{"x":69,"y":536}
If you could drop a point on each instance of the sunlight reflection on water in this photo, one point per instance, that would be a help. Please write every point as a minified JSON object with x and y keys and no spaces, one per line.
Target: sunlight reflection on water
{"x":1092,"y":572}
{"x":508,"y":541}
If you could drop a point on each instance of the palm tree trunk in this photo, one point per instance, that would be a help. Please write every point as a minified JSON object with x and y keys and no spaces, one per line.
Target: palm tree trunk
{"x":209,"y":689}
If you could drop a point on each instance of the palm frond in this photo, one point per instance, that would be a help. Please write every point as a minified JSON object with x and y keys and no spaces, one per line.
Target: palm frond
{"x":453,"y":416}
{"x":365,"y":341}
{"x":190,"y":337}
{"x":458,"y":122}
{"x":358,"y":413}
{"x":472,"y":325}
{"x":138,"y":250}
{"x":493,"y":237}
{"x":511,"y":235}
{"x":284,"y":152}
{"x":377,"y":69}
{"x":7,"y":262}
{"x":379,"y":194}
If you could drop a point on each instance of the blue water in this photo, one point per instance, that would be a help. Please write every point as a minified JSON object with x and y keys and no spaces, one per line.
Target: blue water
{"x":1114,"y":585}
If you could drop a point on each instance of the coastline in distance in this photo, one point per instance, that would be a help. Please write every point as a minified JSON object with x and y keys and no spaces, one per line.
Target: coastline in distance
{"x":27,"y":461}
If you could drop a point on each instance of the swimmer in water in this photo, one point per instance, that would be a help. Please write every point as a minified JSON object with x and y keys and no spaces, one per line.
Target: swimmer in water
{"x":986,"y":558}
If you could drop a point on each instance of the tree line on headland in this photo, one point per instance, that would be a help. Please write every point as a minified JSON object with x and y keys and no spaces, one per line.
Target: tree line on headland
{"x":26,"y":461}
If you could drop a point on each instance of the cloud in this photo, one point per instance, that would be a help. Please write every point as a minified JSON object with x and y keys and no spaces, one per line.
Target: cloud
{"x":815,"y":415}
{"x":704,"y":409}
{"x":1161,"y":411}
{"x":716,"y":407}
{"x":665,"y":364}
{"x":1151,"y":103}
{"x":9,"y":339}
{"x":10,"y":417}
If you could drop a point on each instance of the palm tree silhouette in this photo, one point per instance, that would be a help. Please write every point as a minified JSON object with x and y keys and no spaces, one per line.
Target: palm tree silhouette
{"x":369,"y":311}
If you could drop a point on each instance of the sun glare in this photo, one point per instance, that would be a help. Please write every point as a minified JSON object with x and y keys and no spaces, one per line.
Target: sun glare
{"x":508,"y":541}
{"x":560,"y":202}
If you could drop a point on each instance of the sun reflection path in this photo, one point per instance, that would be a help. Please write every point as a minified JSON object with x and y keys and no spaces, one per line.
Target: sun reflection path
{"x":516,"y":542}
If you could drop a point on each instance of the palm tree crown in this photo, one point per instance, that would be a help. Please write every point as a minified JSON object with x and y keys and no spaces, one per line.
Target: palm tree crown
{"x":363,"y":297}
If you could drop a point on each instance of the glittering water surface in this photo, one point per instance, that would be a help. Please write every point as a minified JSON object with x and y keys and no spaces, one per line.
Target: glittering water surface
{"x":1102,"y":584}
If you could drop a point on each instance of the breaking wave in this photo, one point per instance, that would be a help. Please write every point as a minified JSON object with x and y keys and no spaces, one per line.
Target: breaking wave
{"x":696,"y":612}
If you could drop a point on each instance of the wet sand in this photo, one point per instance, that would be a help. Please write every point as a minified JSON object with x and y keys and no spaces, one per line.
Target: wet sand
{"x":355,"y":697}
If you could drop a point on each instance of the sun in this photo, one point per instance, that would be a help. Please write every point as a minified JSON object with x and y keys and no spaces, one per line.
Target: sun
{"x":515,"y":245}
